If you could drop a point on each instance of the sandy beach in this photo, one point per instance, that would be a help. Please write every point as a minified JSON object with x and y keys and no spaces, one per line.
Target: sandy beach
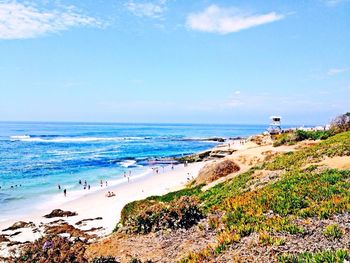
{"x":96,"y":204}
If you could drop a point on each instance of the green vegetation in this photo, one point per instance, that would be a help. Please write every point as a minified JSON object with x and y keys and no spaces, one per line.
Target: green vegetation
{"x":333,"y":231}
{"x":338,"y":145}
{"x":266,"y":239}
{"x":338,"y":256}
{"x":340,"y":124}
{"x":300,"y":135}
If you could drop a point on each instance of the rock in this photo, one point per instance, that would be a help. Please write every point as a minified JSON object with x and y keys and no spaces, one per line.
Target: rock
{"x":66,"y":229}
{"x":15,"y":234}
{"x":60,"y":213}
{"x":19,"y":224}
{"x":3,"y":238}
{"x":216,"y":170}
{"x":89,"y":219}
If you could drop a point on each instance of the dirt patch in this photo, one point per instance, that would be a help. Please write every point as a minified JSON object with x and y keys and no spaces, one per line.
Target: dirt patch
{"x":261,"y":178}
{"x":166,"y":246}
{"x":339,"y":162}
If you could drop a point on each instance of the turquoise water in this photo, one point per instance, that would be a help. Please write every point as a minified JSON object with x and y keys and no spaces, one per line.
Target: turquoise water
{"x":36,"y":157}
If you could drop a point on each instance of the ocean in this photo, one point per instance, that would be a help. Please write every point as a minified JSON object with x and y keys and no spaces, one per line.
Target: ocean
{"x":35,"y":156}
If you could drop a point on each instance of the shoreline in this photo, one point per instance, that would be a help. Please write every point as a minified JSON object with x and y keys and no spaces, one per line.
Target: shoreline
{"x":96,"y":204}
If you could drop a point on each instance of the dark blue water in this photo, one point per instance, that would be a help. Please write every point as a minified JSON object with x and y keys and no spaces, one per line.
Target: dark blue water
{"x":35,"y":157}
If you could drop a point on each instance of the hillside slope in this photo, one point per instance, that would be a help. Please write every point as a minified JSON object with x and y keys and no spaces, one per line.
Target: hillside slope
{"x":277,"y":211}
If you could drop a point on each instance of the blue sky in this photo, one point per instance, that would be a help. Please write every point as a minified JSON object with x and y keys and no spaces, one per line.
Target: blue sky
{"x":174,"y":60}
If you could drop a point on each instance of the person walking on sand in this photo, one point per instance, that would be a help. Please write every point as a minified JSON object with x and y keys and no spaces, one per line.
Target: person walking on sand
{"x":106,"y":184}
{"x":128,"y":179}
{"x":65,"y":192}
{"x":101,"y":183}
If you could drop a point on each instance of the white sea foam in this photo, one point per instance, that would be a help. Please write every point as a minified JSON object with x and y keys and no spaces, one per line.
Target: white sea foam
{"x":127,"y":163}
{"x":26,"y":138}
{"x":19,"y":137}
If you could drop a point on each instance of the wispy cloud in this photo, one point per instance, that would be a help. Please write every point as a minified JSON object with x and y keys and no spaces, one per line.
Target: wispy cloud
{"x":20,"y":21}
{"x":333,"y":2}
{"x":215,"y":19}
{"x":336,"y":71}
{"x":147,"y":9}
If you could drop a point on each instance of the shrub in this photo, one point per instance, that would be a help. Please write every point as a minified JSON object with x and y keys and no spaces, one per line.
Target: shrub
{"x":182,"y":213}
{"x":135,"y":208}
{"x":341,"y":123}
{"x":301,"y":135}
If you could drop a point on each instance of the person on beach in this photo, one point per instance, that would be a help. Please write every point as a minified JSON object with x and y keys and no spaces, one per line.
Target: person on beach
{"x":130,"y":173}
{"x":172,"y":166}
{"x":106,"y":184}
{"x":88,"y":187}
{"x":124,"y":174}
{"x":101,"y":183}
{"x":128,"y":179}
{"x":59,"y":187}
{"x":79,"y":181}
{"x":65,"y":192}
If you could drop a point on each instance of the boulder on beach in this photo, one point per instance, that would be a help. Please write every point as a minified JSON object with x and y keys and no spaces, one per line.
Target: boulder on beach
{"x":60,"y":213}
{"x":216,"y":170}
{"x":18,"y":225}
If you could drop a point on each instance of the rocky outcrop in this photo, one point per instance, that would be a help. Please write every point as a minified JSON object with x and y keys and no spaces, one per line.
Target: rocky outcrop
{"x":205,"y":155}
{"x":60,"y":213}
{"x":216,"y":170}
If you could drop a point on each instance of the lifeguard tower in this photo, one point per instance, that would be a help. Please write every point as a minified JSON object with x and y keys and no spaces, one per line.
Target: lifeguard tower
{"x":275,"y":125}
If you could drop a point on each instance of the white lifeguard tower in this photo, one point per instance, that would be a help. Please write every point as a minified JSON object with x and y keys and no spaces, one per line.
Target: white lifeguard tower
{"x":275,"y":125}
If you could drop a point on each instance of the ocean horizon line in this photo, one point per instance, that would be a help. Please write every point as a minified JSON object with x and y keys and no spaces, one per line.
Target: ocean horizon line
{"x":158,"y":123}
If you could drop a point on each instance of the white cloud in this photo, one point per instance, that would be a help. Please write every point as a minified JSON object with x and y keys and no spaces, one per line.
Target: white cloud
{"x":149,"y":9}
{"x":336,"y":71}
{"x":20,"y":21}
{"x":215,"y":19}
